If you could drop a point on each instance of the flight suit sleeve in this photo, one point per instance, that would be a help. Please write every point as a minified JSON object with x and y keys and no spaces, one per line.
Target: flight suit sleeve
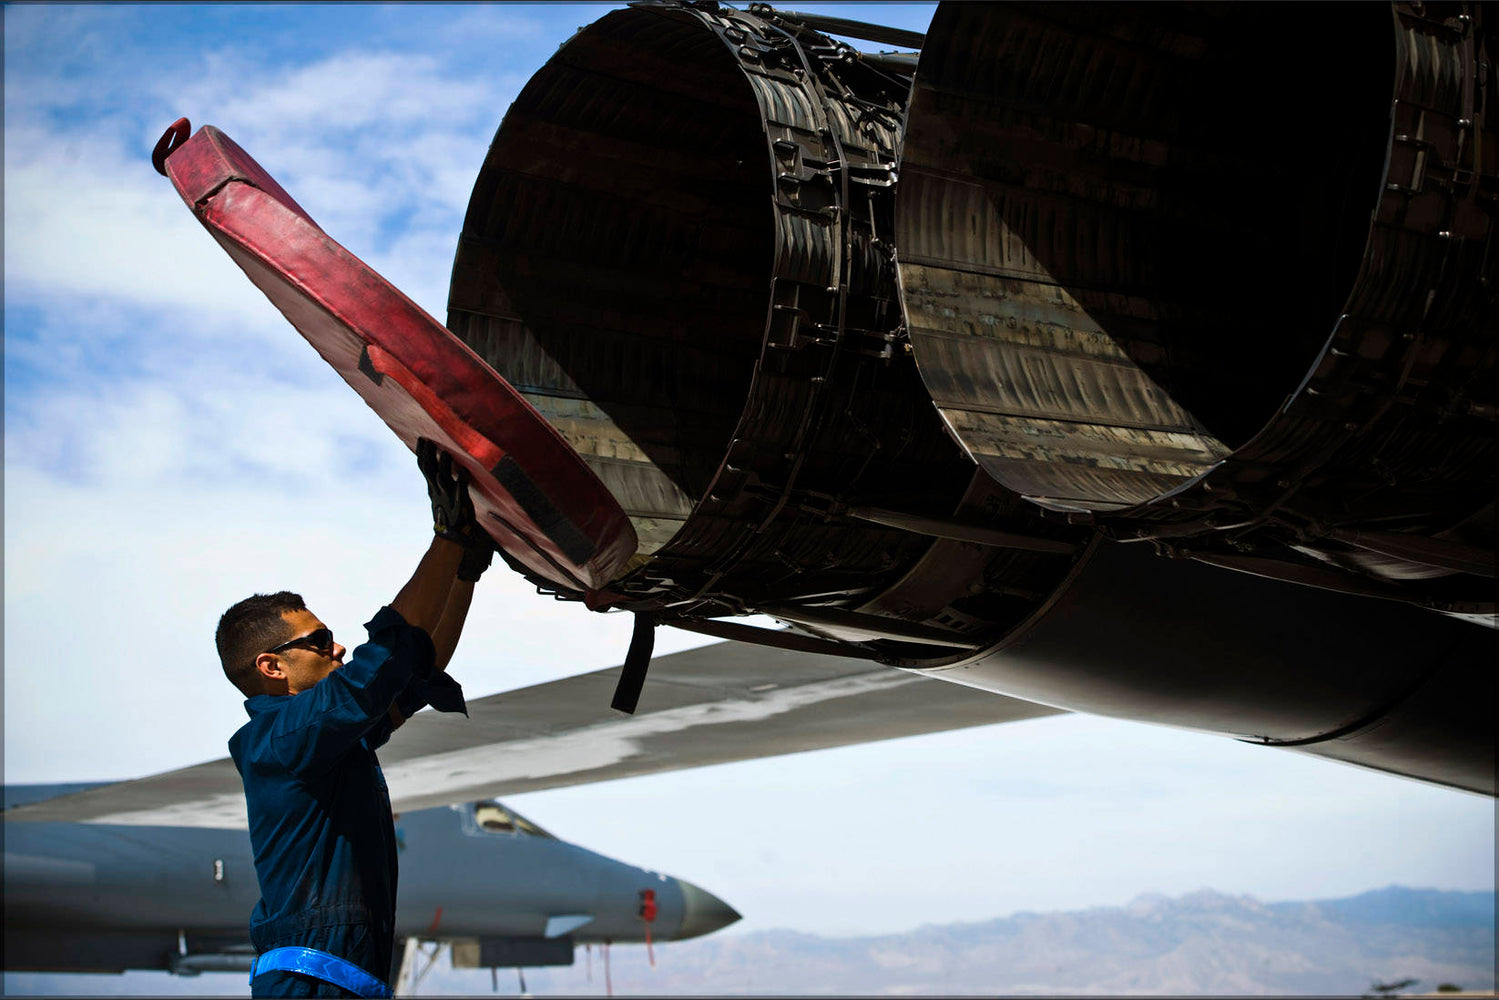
{"x":318,"y":726}
{"x":440,"y":691}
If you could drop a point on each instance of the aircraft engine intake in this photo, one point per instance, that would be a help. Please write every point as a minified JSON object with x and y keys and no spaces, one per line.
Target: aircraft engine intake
{"x":1221,"y":276}
{"x":1136,"y":301}
{"x":1193,"y":288}
{"x":679,"y":249}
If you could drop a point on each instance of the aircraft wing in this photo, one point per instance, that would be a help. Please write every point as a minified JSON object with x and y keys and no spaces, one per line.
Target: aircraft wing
{"x":718,"y":703}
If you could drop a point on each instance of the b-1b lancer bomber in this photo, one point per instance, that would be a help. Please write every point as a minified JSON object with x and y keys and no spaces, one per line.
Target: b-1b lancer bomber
{"x":102,"y":897}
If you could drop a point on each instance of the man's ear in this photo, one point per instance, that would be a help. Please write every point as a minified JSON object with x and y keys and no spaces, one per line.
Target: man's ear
{"x":269,"y":665}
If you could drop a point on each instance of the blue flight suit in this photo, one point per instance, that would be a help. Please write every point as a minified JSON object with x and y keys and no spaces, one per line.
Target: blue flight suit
{"x":320,"y":819}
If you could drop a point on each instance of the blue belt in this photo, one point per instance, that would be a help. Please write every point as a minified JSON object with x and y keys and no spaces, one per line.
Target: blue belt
{"x":320,"y":965}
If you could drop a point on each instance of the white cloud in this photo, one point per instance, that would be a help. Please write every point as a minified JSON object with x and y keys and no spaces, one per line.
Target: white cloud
{"x":360,"y":138}
{"x":497,"y":25}
{"x":67,"y":56}
{"x":350,"y":92}
{"x":380,"y":147}
{"x":84,"y":219}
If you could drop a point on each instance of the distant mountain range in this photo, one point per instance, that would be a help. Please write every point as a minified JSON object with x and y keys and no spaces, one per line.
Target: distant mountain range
{"x":1202,"y":943}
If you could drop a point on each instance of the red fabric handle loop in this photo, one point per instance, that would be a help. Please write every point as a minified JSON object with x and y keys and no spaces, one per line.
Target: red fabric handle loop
{"x":175,"y":135}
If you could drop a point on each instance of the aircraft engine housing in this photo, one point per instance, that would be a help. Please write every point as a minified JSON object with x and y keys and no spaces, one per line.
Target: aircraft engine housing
{"x":1129,"y":359}
{"x":680,"y":249}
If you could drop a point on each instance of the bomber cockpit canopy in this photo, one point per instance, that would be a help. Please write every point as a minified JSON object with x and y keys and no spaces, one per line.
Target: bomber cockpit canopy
{"x":490,"y":816}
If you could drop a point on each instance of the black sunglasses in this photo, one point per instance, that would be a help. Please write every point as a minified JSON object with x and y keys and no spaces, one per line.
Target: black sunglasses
{"x":319,"y":640}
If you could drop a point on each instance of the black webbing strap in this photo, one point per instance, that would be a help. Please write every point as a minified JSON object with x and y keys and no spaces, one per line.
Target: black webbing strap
{"x":637,"y":661}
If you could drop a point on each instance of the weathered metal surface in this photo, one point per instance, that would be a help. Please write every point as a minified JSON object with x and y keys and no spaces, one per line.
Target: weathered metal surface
{"x":1383,"y":433}
{"x":1141,"y":289}
{"x":1080,"y":252}
{"x":679,"y":249}
{"x":1037,"y":392}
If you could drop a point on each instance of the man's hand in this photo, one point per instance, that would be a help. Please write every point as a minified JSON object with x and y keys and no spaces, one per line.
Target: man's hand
{"x":423,"y":598}
{"x":452,"y":509}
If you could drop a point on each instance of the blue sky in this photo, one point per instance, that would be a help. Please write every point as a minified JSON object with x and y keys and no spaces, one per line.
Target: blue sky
{"x":172,"y":445}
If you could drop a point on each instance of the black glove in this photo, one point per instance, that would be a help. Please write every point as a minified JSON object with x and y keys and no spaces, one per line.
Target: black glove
{"x":452,"y":509}
{"x":477,"y":554}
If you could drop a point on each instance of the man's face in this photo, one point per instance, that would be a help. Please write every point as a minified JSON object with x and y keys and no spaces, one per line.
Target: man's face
{"x":302,"y":665}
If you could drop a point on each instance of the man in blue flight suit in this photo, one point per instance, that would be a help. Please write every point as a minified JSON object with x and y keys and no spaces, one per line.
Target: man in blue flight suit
{"x":320,"y":817}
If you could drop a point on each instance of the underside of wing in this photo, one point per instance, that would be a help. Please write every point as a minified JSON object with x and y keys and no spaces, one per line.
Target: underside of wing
{"x":712,"y":705}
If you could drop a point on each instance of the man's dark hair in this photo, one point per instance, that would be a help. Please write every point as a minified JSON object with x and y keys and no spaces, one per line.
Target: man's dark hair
{"x":248,"y":629}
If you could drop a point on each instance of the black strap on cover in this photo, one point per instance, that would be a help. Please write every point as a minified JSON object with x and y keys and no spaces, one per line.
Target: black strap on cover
{"x":637,"y":661}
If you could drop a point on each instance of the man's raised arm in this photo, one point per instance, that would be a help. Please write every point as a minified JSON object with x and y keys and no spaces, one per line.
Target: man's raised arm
{"x":459,"y":553}
{"x":437,"y":597}
{"x":445,"y":639}
{"x":422,"y":600}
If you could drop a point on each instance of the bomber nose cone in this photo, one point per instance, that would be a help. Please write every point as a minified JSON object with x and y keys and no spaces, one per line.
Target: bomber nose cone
{"x":702,"y":912}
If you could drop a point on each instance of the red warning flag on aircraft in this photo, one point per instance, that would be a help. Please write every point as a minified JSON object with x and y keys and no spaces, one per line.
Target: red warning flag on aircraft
{"x":533,"y":493}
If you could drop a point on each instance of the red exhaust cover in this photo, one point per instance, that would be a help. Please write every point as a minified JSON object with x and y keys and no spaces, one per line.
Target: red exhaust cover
{"x":532,"y":491}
